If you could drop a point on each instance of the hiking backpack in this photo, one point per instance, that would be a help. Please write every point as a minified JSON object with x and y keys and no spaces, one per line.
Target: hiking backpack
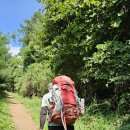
{"x":66,"y":104}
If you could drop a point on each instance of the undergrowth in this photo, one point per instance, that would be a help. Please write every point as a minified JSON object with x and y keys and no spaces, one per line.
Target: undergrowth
{"x":90,"y":121}
{"x":6,"y":122}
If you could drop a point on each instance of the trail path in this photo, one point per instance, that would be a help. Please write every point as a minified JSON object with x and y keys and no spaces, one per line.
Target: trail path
{"x":20,"y":116}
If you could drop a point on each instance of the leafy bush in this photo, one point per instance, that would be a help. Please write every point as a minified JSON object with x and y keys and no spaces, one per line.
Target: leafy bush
{"x":124,"y":104}
{"x":103,"y":107}
{"x":35,"y":80}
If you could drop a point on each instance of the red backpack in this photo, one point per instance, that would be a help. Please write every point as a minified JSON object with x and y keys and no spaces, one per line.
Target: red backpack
{"x":65,"y":108}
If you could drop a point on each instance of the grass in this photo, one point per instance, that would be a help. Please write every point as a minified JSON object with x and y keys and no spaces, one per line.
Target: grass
{"x":98,"y":121}
{"x":6,"y":122}
{"x":108,"y":122}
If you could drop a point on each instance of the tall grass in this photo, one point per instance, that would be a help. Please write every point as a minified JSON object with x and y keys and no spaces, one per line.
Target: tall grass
{"x":6,"y":122}
{"x":111,"y":121}
{"x":98,"y":121}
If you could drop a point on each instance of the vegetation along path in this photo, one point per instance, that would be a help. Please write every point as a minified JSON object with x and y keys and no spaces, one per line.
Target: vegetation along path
{"x":21,"y":117}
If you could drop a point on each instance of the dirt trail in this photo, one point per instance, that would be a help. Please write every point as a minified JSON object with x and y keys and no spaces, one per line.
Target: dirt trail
{"x":21,"y":117}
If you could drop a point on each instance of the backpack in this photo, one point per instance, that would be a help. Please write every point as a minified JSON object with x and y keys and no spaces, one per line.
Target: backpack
{"x":66,"y":106}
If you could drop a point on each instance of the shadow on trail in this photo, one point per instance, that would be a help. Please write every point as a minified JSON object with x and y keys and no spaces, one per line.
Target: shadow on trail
{"x":4,"y":95}
{"x":10,"y":97}
{"x":11,"y":101}
{"x":125,"y":125}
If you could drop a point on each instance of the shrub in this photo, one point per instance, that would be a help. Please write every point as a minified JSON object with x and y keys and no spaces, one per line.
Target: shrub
{"x":124,"y":104}
{"x":103,"y":107}
{"x":35,"y":80}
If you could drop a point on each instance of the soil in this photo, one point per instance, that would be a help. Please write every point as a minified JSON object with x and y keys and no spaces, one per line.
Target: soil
{"x":20,"y":116}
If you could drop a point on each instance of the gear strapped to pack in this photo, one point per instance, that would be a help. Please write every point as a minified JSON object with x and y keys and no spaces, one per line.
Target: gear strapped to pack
{"x":66,"y":104}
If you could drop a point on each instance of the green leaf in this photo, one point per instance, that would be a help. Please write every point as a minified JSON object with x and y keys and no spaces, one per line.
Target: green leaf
{"x":117,"y":23}
{"x":121,"y":12}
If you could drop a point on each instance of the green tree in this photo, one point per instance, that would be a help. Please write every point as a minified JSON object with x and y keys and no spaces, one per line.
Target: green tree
{"x":35,"y":79}
{"x":4,"y":56}
{"x":86,"y":40}
{"x":15,"y":71}
{"x":77,"y":30}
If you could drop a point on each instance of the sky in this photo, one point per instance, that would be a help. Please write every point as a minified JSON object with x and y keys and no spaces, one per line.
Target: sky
{"x":12,"y":14}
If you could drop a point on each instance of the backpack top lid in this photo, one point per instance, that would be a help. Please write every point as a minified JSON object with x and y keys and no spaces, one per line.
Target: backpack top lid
{"x":63,"y":80}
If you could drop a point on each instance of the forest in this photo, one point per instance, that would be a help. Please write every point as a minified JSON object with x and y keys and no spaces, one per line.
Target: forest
{"x":87,"y":40}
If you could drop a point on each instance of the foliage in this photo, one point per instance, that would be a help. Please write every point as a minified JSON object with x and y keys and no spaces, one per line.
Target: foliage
{"x":4,"y":56}
{"x":90,"y":42}
{"x":35,"y":79}
{"x":36,"y":71}
{"x":123,"y":106}
{"x":86,"y":40}
{"x":103,"y":107}
{"x":15,"y":71}
{"x":33,"y":32}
